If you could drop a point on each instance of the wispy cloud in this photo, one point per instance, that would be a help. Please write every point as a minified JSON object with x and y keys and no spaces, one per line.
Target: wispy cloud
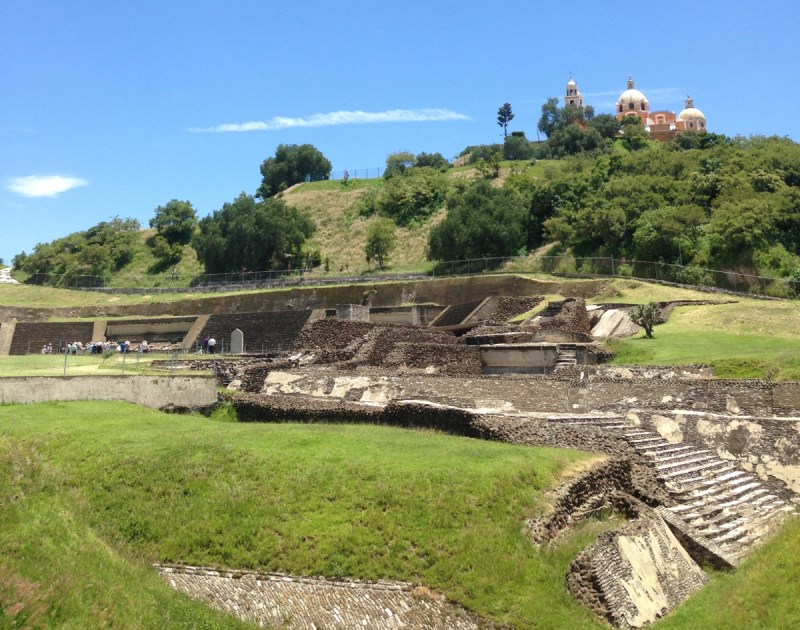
{"x":339,"y":118}
{"x":43,"y":185}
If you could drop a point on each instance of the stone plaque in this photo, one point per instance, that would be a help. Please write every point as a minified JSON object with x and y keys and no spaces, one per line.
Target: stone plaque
{"x":237,"y":342}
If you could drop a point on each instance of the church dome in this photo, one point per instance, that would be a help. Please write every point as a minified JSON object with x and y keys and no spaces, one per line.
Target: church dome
{"x":631,"y":95}
{"x":691,"y":112}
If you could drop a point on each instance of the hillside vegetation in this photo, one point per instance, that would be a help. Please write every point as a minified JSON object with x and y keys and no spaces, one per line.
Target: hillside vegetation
{"x":708,"y":201}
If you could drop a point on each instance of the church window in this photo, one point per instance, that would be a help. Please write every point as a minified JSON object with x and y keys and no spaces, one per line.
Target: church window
{"x":642,"y":106}
{"x":620,"y":109}
{"x":691,"y":125}
{"x":630,"y":105}
{"x":572,"y":101}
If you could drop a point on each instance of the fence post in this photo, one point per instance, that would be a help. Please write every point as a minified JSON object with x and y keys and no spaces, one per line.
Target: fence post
{"x":612,"y":267}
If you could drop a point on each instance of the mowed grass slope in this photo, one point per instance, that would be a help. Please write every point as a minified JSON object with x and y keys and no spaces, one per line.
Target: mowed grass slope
{"x":745,"y":339}
{"x":92,"y":493}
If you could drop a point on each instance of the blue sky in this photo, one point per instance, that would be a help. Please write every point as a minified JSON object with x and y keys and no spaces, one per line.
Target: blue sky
{"x":111,"y":108}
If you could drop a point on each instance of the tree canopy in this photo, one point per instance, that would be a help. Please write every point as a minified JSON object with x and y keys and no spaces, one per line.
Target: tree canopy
{"x":252,"y":235}
{"x":292,"y":165}
{"x":175,"y":221}
{"x":97,"y":251}
{"x":482,"y":221}
{"x":380,"y":241}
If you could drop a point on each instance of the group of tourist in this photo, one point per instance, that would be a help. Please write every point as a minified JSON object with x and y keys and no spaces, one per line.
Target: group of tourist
{"x":97,"y":347}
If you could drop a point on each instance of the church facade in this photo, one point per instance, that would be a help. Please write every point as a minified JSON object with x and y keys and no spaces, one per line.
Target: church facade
{"x":661,"y":125}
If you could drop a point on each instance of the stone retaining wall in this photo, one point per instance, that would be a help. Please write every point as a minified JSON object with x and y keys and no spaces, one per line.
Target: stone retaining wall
{"x":159,"y":392}
{"x":554,"y":394}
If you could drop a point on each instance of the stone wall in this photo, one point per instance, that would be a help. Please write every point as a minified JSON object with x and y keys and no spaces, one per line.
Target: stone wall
{"x":159,"y":392}
{"x":284,"y":601}
{"x":264,"y":332}
{"x":30,"y":337}
{"x":434,"y":290}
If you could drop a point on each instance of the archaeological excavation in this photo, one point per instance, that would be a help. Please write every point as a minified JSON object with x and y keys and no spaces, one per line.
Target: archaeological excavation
{"x":701,"y":470}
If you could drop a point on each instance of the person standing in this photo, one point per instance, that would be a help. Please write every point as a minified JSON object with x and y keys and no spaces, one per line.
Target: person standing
{"x":212,"y":345}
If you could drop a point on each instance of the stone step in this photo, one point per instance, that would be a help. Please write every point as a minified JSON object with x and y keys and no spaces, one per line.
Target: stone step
{"x":664,"y":452}
{"x":687,"y":487}
{"x":734,"y":534}
{"x":716,"y":530}
{"x":672,"y":456}
{"x":636,"y":441}
{"x":714,"y":520}
{"x":690,"y":471}
{"x":675,"y":463}
{"x":715,"y":496}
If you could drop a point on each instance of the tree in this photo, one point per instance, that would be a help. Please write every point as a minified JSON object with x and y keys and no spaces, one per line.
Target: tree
{"x":517,"y":147}
{"x":248,"y":234}
{"x":398,"y":163}
{"x":380,"y":241}
{"x":175,"y":222}
{"x":432,"y":160}
{"x":413,"y":195}
{"x":292,"y":165}
{"x":552,"y":117}
{"x":647,"y":316}
{"x":634,"y":135}
{"x":482,"y":221}
{"x":606,"y":125}
{"x":504,"y":116}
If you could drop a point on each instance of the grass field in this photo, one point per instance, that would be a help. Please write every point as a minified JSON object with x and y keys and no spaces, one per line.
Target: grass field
{"x":746,"y":339}
{"x":91,"y":494}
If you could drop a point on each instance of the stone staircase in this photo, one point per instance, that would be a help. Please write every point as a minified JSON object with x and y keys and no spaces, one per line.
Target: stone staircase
{"x":718,"y":501}
{"x":567,"y":357}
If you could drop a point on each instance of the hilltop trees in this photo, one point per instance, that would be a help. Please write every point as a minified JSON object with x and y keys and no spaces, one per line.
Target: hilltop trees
{"x":252,"y":235}
{"x":98,"y":251}
{"x":291,"y":165}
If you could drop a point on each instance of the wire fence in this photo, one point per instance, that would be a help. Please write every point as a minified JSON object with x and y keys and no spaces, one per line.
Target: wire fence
{"x":560,"y":265}
{"x":373,"y":172}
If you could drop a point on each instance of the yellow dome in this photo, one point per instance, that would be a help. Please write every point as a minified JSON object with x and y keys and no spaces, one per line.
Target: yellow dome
{"x":632,"y":95}
{"x":691,"y":113}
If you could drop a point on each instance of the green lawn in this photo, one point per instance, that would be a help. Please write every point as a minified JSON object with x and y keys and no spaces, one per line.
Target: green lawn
{"x":92,"y":493}
{"x":748,"y":339}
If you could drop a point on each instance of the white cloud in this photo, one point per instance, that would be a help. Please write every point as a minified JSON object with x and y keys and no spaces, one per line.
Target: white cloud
{"x":43,"y":186}
{"x":339,"y":118}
